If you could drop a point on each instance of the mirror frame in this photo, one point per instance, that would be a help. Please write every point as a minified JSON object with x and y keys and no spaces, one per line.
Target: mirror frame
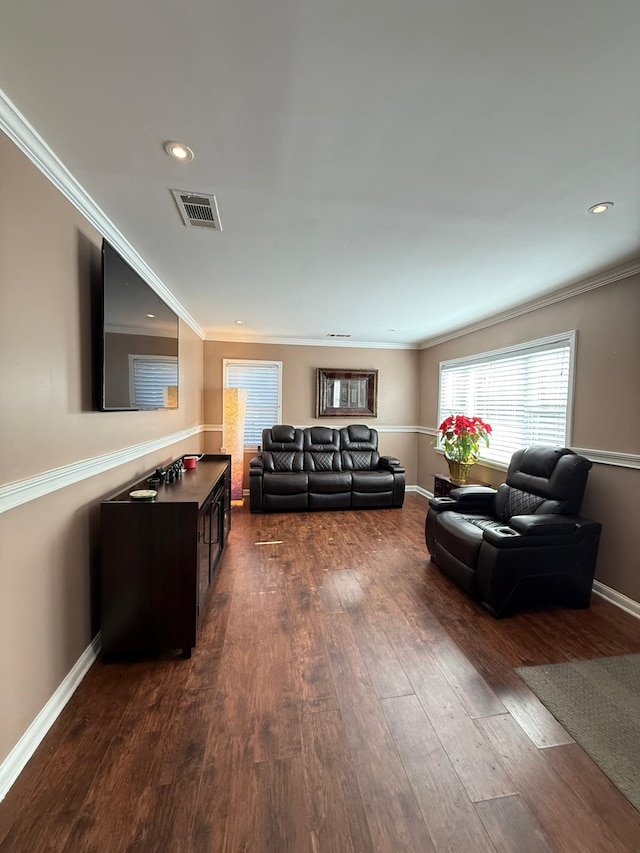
{"x":324,"y":378}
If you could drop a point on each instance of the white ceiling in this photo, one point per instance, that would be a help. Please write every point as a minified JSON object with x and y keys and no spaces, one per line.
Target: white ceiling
{"x":412,"y":165}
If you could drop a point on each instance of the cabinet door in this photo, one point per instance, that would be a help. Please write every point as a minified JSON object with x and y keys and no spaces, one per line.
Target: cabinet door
{"x":204,"y":555}
{"x":217,"y":530}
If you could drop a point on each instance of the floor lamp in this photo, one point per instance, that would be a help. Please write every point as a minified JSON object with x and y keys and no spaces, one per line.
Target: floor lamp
{"x":235,"y":410}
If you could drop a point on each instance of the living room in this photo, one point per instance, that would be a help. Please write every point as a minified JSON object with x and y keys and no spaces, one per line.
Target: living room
{"x":60,"y":456}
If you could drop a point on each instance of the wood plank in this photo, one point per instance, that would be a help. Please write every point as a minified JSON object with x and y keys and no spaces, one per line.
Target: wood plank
{"x":393,"y":815}
{"x":368,"y":624}
{"x":338,"y":823}
{"x":227,"y":799}
{"x":450,"y":817}
{"x":278,"y":704}
{"x":596,"y":791}
{"x":511,"y":825}
{"x":415,"y":618}
{"x":315,"y":682}
{"x":575,"y":828}
{"x":474,"y":761}
{"x":281,"y":817}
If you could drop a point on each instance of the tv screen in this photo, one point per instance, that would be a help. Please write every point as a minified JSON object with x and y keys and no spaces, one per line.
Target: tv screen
{"x":139,"y":341}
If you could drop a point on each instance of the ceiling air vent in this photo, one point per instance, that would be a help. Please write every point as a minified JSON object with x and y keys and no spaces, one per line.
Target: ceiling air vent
{"x":198,"y":210}
{"x":338,"y":335}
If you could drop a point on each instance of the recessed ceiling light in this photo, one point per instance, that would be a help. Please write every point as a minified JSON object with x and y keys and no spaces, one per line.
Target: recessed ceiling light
{"x":238,"y":322}
{"x":601,"y":207}
{"x":151,"y":315}
{"x":179,"y":151}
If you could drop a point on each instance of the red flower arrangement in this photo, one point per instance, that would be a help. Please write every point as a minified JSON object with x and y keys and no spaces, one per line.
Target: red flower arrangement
{"x":461,"y":437}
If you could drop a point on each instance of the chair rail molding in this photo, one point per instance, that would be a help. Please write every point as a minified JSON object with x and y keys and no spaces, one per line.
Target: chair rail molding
{"x":23,"y":491}
{"x":610,"y":457}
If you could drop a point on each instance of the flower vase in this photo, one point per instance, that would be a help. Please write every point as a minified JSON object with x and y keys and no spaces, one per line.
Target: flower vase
{"x":459,"y":471}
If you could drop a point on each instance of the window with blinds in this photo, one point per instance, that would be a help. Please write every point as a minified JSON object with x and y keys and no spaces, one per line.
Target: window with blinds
{"x":263,"y":381}
{"x":153,"y":381}
{"x":524,"y":392}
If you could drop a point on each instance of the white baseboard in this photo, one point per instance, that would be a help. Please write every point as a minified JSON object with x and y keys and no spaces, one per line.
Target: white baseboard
{"x":617,"y":598}
{"x":15,"y":762}
{"x":420,"y":491}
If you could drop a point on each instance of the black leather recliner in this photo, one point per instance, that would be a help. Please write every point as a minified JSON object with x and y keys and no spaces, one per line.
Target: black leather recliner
{"x":523,"y":543}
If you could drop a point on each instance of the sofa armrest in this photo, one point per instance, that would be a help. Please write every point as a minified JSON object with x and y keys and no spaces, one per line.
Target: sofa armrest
{"x":256,"y":466}
{"x":390,"y":463}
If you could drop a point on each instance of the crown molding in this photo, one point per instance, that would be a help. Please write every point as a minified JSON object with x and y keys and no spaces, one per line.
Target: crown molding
{"x":29,"y":141}
{"x":307,"y":342}
{"x":600,"y":280}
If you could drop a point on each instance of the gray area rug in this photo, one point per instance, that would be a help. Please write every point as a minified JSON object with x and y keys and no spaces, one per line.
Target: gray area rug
{"x":598,"y":703}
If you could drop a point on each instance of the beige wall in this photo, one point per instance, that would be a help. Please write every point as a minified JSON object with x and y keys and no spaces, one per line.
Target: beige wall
{"x":606,"y":408}
{"x":397,"y":384}
{"x":49,"y":255}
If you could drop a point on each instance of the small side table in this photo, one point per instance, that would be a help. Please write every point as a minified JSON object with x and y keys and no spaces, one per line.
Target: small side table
{"x":442,"y":485}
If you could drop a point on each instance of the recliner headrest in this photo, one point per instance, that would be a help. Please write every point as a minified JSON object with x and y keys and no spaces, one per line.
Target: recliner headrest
{"x":556,"y":474}
{"x":538,"y":460}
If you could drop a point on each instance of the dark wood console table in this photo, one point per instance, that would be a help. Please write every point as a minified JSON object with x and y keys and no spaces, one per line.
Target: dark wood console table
{"x":159,"y":559}
{"x":442,"y":484}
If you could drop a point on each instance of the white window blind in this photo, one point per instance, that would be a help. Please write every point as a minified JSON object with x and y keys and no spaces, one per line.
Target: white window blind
{"x":524,"y":392}
{"x":150,"y":378}
{"x":262,"y":379}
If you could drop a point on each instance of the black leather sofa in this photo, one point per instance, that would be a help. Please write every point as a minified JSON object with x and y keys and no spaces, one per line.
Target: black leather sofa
{"x":323,"y":468}
{"x":523,"y":543}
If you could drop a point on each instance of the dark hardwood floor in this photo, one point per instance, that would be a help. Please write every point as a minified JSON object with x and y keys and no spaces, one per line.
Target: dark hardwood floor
{"x":344,"y":697}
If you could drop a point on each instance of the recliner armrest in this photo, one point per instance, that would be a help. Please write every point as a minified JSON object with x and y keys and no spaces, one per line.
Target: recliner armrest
{"x":466,"y":499}
{"x":256,"y":465}
{"x":528,"y":531}
{"x":543,"y":525}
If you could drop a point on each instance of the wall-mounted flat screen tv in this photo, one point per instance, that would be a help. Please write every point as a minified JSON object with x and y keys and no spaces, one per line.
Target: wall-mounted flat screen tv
{"x":139,"y":364}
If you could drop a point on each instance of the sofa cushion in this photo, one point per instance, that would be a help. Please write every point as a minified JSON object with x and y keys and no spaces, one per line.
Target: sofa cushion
{"x":322,"y":461}
{"x":328,"y":482}
{"x":360,"y":460}
{"x":285,"y":503}
{"x":372,"y":481}
{"x":371,"y":499}
{"x":283,"y":460}
{"x":284,"y":483}
{"x":338,"y":500}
